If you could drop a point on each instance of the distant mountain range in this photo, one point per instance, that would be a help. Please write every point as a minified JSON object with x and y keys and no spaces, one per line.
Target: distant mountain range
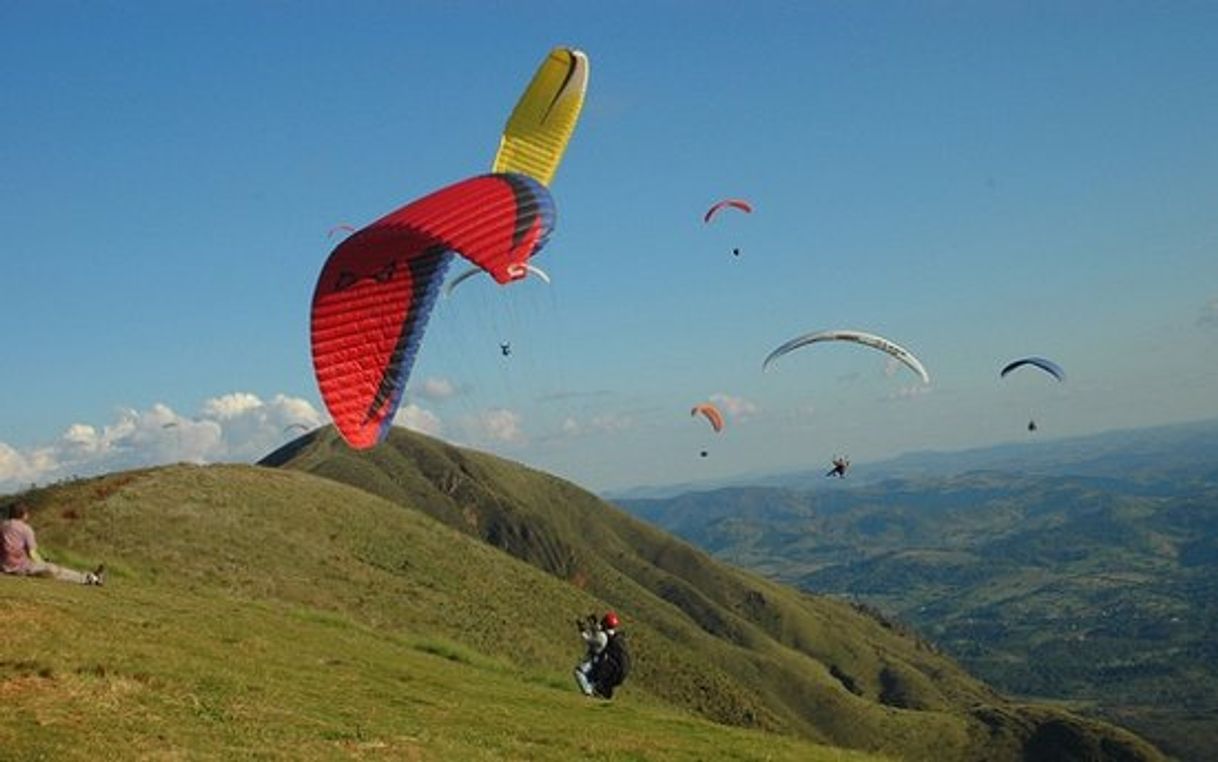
{"x":1083,"y":570}
{"x":1127,"y":454}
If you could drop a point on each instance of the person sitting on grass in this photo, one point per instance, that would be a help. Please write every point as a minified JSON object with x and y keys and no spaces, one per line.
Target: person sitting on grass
{"x":19,"y":552}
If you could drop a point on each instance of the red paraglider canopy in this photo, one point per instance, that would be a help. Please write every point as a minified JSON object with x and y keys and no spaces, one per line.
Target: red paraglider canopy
{"x":376,"y":290}
{"x":737,"y":203}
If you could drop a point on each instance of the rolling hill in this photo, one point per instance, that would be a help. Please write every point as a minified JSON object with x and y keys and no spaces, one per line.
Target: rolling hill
{"x":1098,"y":588}
{"x":261,"y":614}
{"x":719,"y":641}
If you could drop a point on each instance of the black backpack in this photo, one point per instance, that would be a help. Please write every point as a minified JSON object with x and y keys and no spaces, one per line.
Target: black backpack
{"x":613,"y":665}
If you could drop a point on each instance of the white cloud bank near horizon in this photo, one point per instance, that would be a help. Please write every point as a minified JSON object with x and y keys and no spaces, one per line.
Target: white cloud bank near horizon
{"x":238,"y":427}
{"x":235,"y":427}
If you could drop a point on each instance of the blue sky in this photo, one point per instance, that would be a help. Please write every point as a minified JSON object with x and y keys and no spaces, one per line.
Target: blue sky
{"x":975,"y":181}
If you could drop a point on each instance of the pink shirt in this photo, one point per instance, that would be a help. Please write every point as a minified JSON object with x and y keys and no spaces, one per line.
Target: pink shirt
{"x":17,"y":545}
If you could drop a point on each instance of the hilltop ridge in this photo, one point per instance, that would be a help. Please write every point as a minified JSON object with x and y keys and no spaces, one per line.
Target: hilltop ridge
{"x":253,"y":613}
{"x":767,"y":656}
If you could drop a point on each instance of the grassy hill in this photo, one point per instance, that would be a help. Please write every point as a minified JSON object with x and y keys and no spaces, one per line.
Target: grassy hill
{"x":255,"y":613}
{"x":1094,"y":589}
{"x":716,"y":640}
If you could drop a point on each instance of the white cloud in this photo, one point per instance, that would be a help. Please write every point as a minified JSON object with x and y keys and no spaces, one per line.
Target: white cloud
{"x":231,"y":405}
{"x":232,"y":427}
{"x":241,"y":426}
{"x":419,"y":419}
{"x":736,"y":407}
{"x":436,"y":389}
{"x":498,"y":425}
{"x":18,"y":469}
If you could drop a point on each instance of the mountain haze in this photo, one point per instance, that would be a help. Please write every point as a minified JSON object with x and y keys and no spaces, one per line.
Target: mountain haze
{"x":1153,"y":453}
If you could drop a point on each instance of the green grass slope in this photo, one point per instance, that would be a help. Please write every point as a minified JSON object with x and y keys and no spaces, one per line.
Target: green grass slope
{"x":262,"y":614}
{"x":723,"y":642}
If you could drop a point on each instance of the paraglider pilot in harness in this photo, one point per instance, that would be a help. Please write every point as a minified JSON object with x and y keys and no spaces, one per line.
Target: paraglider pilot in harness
{"x":607,"y":662}
{"x":840,"y":465}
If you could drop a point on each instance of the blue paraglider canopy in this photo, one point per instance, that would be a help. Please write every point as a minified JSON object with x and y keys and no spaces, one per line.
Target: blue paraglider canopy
{"x":1048,"y":366}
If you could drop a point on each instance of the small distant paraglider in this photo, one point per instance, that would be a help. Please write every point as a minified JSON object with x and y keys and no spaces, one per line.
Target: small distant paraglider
{"x":1040,"y":363}
{"x":728,"y":203}
{"x":295,"y":427}
{"x":899,"y":354}
{"x":505,"y":348}
{"x":712,"y":415}
{"x":348,"y":229}
{"x":902,"y":355}
{"x":840,"y":465}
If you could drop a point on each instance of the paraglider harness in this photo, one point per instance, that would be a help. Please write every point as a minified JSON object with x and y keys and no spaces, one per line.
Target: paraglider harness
{"x":840,"y":465}
{"x":611,"y":666}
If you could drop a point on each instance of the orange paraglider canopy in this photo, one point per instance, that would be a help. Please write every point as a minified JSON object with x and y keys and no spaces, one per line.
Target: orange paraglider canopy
{"x":711,"y":413}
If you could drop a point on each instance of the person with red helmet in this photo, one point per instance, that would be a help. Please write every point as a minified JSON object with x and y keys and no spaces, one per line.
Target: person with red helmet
{"x":595,"y":640}
{"x":606,"y":662}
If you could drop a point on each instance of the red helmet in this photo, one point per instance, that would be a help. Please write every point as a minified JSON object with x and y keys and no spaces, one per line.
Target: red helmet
{"x":609,"y":621}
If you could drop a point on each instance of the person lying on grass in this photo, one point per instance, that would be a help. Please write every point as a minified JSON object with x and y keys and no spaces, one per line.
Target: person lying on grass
{"x":19,"y":552}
